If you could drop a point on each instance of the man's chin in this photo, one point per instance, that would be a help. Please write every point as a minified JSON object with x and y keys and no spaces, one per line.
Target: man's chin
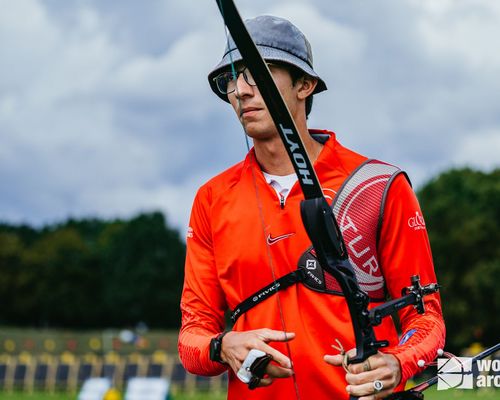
{"x":256,"y":133}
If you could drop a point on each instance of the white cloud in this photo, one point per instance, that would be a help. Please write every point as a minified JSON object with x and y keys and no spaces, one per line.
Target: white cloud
{"x":480,"y":149}
{"x":177,"y":74}
{"x":463,"y":31}
{"x":91,"y":127}
{"x":22,"y":43}
{"x":104,"y":114}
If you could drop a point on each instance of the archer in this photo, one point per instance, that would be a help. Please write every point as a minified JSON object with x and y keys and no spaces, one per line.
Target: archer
{"x":248,"y":251}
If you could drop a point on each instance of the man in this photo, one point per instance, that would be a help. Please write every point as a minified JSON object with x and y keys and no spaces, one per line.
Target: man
{"x":246,"y":232}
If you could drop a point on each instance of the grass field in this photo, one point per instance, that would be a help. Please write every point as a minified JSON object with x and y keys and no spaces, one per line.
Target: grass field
{"x":64,"y":396}
{"x":431,"y":394}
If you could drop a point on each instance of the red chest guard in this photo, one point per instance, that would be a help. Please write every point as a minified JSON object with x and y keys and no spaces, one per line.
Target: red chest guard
{"x":358,"y":208}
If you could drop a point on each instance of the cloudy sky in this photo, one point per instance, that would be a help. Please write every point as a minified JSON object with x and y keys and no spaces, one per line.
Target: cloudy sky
{"x":105,"y":109}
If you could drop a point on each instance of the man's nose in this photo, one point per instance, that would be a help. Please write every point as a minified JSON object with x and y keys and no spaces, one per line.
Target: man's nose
{"x":242,"y":87}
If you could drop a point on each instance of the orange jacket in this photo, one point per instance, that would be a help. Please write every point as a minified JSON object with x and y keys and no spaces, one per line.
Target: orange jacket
{"x":228,"y":260}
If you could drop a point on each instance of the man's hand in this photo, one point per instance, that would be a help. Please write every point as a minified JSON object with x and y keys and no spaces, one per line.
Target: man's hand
{"x":236,"y":345}
{"x":379,"y":367}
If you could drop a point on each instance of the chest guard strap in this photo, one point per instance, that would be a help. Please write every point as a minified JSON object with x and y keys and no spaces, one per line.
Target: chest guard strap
{"x":284,"y":282}
{"x":359,"y":208}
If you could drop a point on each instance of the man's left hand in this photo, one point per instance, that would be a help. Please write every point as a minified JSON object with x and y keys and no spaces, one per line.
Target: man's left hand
{"x":380,"y":367}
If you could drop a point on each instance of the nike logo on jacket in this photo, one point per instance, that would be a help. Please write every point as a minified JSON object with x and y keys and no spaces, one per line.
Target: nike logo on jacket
{"x":272,"y":240}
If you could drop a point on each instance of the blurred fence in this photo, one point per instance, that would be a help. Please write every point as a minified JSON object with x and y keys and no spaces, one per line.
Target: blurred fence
{"x":67,"y":371}
{"x":14,"y":341}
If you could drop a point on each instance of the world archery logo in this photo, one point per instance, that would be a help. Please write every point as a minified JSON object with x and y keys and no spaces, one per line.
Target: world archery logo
{"x":457,"y":373}
{"x":454,"y":372}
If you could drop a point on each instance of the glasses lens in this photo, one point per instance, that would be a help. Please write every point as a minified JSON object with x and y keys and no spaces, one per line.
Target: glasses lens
{"x":222,"y":81}
{"x":248,"y":77}
{"x":226,"y":81}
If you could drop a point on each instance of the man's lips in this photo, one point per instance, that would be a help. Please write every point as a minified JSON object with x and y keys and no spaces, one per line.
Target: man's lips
{"x":249,"y":110}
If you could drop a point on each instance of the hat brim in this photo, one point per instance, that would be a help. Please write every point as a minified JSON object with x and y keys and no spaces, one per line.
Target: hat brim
{"x":268,"y":54}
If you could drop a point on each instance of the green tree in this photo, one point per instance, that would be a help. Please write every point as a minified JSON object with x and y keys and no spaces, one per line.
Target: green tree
{"x":58,"y":279}
{"x":91,"y":273}
{"x":143,"y":272}
{"x":11,"y":250}
{"x":462,"y":211}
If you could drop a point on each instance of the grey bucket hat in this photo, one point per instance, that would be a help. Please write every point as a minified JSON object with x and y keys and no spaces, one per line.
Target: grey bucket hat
{"x":277,"y":40}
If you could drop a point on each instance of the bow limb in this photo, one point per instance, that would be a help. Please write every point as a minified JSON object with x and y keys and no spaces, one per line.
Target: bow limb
{"x":237,"y":28}
{"x":317,"y":215}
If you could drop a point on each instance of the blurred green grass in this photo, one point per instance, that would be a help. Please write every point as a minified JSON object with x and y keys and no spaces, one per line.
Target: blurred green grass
{"x":67,"y":396}
{"x":431,"y":394}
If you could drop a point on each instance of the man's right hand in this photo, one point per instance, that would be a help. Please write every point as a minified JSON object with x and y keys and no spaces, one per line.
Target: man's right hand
{"x":236,"y":345}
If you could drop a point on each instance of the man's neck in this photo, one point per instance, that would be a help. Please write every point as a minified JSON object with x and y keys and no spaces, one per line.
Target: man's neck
{"x":273,"y":158}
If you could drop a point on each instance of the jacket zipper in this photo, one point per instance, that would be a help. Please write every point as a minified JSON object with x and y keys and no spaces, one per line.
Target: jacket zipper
{"x":282,"y":201}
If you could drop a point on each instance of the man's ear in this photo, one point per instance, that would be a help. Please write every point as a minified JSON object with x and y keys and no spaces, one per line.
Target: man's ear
{"x":306,"y":86}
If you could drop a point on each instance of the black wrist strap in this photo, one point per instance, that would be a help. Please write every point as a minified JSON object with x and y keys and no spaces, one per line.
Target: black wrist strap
{"x":216,"y":347}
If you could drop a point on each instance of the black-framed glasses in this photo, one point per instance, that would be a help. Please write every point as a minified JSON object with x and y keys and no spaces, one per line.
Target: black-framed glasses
{"x":226,"y":81}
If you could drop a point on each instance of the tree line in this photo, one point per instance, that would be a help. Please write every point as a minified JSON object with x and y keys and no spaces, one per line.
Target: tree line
{"x":93,"y":273}
{"x":462,"y":214}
